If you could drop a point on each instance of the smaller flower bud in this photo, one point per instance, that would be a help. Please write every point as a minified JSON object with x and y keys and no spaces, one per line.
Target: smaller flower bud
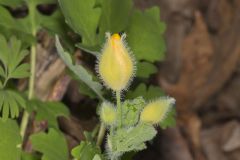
{"x":156,"y":111}
{"x":108,"y":113}
{"x":115,"y":64}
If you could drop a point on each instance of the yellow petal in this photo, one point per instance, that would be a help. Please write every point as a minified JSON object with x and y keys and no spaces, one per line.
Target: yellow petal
{"x":115,"y":65}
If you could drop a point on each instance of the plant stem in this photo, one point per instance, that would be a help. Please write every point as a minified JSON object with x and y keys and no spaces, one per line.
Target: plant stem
{"x":101,"y":134}
{"x":24,"y":122}
{"x":33,"y":68}
{"x":25,"y":117}
{"x":119,"y":108}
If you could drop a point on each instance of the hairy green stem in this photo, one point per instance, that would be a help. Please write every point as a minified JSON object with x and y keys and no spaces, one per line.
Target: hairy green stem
{"x":33,"y":68}
{"x":24,"y":122}
{"x":25,"y":117}
{"x":119,"y":107}
{"x":101,"y":134}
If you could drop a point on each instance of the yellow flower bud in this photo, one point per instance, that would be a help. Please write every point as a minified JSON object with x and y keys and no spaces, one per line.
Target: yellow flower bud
{"x":115,"y":64}
{"x":108,"y":113}
{"x":156,"y":111}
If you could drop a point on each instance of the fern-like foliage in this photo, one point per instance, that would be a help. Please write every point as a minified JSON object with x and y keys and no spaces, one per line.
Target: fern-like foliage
{"x":11,"y":56}
{"x":10,"y":102}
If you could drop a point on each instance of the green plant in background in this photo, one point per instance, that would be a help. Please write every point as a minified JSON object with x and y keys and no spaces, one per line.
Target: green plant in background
{"x":26,"y":29}
{"x":11,"y":55}
{"x":92,"y":19}
{"x":131,"y":122}
{"x":17,"y":35}
{"x":12,"y":103}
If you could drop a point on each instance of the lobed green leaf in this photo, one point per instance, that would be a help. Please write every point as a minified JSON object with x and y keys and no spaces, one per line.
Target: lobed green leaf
{"x":115,"y":16}
{"x":10,"y":140}
{"x":83,"y":17}
{"x":148,"y":93}
{"x":11,"y":56}
{"x":48,"y":111}
{"x":13,"y":3}
{"x":130,"y":139}
{"x":10,"y":26}
{"x":145,"y":69}
{"x":145,"y":35}
{"x":10,"y":104}
{"x":28,"y":156}
{"x":85,"y":151}
{"x":52,"y":145}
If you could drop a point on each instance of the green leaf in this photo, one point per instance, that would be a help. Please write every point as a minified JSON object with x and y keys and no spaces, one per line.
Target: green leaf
{"x":145,"y":69}
{"x":13,"y":3}
{"x":10,"y":26}
{"x":94,"y":50}
{"x":15,"y":55}
{"x":11,"y":56}
{"x":145,"y":35}
{"x":4,"y":52}
{"x":130,"y":139}
{"x":115,"y":15}
{"x":148,"y":93}
{"x":96,"y":157}
{"x":131,"y":110}
{"x":21,"y":71}
{"x":170,"y":120}
{"x":52,"y":145}
{"x":10,"y":103}
{"x":85,"y":151}
{"x":10,"y":140}
{"x":35,"y":19}
{"x":2,"y":72}
{"x":81,"y":72}
{"x":55,"y":24}
{"x":154,"y":92}
{"x":43,"y":1}
{"x":85,"y":90}
{"x":49,"y":111}
{"x":28,"y":156}
{"x":83,"y":17}
{"x":27,"y":27}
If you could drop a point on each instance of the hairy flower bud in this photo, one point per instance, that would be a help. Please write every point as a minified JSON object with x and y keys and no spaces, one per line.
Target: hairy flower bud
{"x":108,"y":113}
{"x":115,"y":64}
{"x":156,"y":111}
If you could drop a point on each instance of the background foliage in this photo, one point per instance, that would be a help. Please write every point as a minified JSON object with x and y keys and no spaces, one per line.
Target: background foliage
{"x":85,"y":28}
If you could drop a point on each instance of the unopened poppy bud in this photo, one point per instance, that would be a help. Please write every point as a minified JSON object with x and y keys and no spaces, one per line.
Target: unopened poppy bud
{"x":108,"y":113}
{"x":115,"y":64}
{"x":156,"y":111}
